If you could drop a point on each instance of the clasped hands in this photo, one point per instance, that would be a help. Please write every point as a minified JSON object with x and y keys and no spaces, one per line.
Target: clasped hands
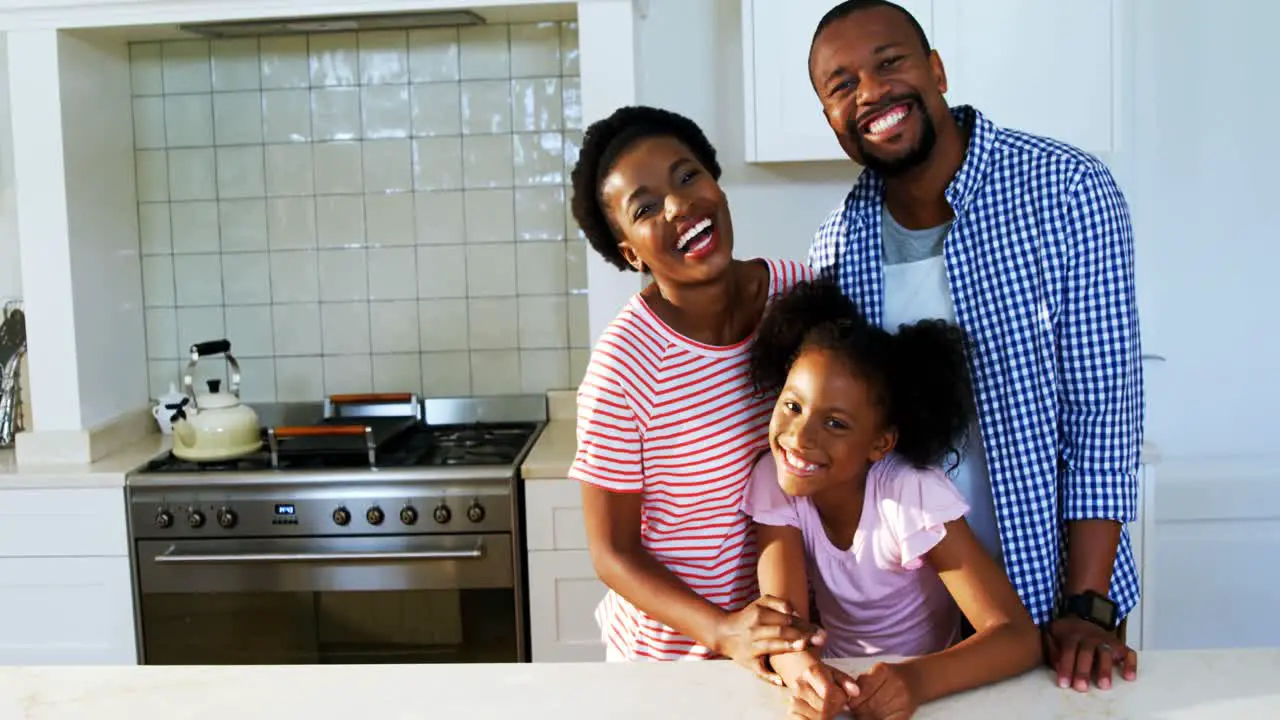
{"x":769,"y":626}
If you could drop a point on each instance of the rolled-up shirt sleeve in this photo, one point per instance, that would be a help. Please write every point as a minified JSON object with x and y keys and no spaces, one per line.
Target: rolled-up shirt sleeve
{"x":1100,"y":360}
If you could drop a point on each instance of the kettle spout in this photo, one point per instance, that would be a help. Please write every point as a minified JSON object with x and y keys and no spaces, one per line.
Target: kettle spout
{"x":183,"y":432}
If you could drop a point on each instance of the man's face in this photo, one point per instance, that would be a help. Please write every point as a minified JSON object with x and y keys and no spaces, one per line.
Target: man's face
{"x":881,"y":91}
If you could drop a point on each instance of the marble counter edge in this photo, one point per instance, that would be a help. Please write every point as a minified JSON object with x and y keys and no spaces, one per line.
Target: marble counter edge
{"x":1229,"y":683}
{"x":108,"y":472}
{"x":552,"y":453}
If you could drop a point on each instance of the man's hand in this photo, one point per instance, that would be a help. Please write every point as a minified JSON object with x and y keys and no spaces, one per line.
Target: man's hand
{"x":884,"y":693}
{"x":766,"y":627}
{"x":1080,"y":650}
{"x":821,"y":693}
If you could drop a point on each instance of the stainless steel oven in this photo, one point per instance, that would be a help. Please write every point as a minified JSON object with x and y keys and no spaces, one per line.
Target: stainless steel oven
{"x":409,"y":554}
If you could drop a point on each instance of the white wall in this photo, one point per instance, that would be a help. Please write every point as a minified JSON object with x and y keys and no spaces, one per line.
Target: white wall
{"x":10,"y":269}
{"x":1203,"y":194}
{"x":102,"y":222}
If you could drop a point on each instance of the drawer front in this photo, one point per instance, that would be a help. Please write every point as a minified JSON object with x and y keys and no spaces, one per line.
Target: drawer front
{"x":553,"y":515}
{"x":80,"y":522}
{"x":66,"y":611}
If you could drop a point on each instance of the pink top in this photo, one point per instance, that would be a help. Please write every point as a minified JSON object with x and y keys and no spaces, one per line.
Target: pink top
{"x":878,"y":596}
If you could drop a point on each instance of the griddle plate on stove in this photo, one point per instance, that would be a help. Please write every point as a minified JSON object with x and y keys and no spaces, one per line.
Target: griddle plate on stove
{"x":385,"y":431}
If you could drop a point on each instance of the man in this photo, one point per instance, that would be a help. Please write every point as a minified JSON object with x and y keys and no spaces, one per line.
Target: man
{"x":1026,"y":243}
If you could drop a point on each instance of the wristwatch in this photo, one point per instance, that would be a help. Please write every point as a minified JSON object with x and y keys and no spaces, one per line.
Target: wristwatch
{"x":1093,"y":607}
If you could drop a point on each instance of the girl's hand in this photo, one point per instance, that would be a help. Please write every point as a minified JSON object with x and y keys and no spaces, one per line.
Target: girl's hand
{"x":821,"y":693}
{"x":766,"y":627}
{"x":884,"y":693}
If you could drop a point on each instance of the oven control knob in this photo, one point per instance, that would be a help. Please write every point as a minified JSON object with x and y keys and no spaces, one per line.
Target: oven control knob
{"x":227,"y":518}
{"x":374,"y":515}
{"x":341,"y":516}
{"x":195,"y":519}
{"x":475,"y":513}
{"x":408,"y":515}
{"x":164,"y":519}
{"x":442,"y":514}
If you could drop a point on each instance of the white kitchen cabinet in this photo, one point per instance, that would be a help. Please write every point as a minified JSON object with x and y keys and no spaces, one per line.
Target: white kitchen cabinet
{"x":1048,"y":68}
{"x":1044,"y":67}
{"x":1210,"y":556}
{"x":66,"y":592}
{"x":563,"y":587}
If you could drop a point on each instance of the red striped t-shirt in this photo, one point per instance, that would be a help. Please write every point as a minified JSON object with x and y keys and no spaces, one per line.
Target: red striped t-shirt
{"x":679,"y":422}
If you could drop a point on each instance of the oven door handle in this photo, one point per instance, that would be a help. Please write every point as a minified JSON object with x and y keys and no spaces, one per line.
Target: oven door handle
{"x":171,"y":557}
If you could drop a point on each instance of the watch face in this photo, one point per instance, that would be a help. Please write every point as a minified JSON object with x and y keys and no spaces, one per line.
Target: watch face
{"x":1102,"y":609}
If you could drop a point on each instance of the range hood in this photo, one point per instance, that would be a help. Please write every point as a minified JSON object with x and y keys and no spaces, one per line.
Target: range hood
{"x":345,"y":23}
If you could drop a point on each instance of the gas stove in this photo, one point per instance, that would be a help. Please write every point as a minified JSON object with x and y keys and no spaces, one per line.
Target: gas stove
{"x":424,"y":498}
{"x":418,"y":446}
{"x":438,"y":439}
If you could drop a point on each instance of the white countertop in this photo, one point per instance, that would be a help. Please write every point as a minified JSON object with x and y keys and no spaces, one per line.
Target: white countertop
{"x":107,"y":472}
{"x":1171,"y":686}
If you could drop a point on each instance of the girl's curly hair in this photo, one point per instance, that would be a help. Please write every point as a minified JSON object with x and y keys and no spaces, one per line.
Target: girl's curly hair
{"x":919,"y":376}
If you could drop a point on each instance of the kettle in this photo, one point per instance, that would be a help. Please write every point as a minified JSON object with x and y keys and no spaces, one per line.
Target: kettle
{"x":216,"y":426}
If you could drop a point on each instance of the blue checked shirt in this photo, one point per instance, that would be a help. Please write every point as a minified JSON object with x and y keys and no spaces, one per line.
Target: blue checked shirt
{"x":1040,"y":264}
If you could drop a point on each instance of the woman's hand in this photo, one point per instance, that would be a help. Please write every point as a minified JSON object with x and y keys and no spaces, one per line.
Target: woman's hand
{"x":766,"y":627}
{"x":884,"y":693}
{"x":821,"y":693}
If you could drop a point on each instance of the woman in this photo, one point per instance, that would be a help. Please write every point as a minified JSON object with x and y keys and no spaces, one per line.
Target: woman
{"x":668,"y":420}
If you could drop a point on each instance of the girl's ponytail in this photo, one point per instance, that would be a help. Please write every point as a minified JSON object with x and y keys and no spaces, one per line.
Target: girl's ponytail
{"x":932,"y":395}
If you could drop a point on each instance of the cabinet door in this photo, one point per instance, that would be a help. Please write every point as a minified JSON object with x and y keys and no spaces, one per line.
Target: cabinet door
{"x":1047,"y":68}
{"x":66,"y":611}
{"x":784,"y":121}
{"x":553,"y":515}
{"x":563,"y":594}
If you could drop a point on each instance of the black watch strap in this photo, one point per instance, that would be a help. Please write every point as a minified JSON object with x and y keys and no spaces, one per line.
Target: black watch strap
{"x":1093,"y":607}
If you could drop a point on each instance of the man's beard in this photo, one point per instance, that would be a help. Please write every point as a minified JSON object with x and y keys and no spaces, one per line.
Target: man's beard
{"x":913,"y":158}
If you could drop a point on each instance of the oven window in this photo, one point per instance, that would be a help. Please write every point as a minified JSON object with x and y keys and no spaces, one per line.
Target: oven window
{"x":352,"y":627}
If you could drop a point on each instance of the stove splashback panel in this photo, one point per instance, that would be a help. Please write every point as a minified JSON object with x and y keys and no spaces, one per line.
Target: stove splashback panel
{"x":472,"y":410}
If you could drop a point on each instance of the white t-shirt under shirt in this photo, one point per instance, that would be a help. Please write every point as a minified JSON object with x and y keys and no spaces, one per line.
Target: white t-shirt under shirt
{"x":878,"y":596}
{"x":679,"y":422}
{"x":916,"y":288}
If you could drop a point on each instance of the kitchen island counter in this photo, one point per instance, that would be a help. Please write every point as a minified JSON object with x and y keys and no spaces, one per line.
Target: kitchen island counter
{"x":1172,"y":685}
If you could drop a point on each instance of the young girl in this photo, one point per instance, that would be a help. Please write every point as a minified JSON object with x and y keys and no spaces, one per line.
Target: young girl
{"x":668,"y":425}
{"x":851,"y":499}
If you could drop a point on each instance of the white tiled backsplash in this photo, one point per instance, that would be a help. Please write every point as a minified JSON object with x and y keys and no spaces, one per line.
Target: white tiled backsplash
{"x":377,"y":211}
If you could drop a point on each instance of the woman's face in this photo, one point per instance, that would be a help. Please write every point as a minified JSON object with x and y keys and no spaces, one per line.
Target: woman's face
{"x":669,"y":214}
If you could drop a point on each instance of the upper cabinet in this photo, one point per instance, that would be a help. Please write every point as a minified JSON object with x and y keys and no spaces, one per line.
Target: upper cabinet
{"x":1044,"y":67}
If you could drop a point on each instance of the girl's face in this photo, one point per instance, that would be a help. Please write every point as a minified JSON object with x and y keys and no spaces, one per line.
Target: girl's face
{"x":827,"y":428}
{"x":669,"y":214}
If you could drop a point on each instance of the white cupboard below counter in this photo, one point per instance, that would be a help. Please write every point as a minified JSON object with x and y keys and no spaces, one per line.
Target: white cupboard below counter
{"x":66,"y":594}
{"x":1049,"y":68}
{"x":563,"y":587}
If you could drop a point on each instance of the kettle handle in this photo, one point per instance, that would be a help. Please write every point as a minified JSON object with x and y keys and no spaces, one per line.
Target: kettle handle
{"x":211,"y":347}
